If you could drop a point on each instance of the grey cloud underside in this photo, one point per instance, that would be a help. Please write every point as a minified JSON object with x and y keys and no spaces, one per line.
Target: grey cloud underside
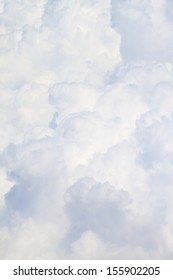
{"x":86,"y":115}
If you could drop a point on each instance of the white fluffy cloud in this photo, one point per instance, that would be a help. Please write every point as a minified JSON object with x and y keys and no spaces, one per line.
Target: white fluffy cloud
{"x":86,"y":129}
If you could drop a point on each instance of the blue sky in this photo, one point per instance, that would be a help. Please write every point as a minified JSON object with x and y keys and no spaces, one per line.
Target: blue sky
{"x":86,"y":114}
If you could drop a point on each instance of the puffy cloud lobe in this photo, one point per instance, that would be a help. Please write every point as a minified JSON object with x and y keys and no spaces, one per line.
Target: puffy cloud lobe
{"x":96,"y":207}
{"x":85,"y":137}
{"x":145,"y":28}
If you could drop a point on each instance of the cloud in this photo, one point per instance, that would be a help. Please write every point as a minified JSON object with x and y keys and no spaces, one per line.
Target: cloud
{"x":96,"y":207}
{"x":145,"y":28}
{"x":85,"y":134}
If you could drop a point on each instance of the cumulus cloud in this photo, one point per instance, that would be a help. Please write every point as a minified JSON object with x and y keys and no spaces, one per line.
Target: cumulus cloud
{"x":86,"y":129}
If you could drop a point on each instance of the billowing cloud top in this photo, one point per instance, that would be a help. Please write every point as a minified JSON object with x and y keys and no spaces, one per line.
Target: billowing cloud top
{"x":86,"y":115}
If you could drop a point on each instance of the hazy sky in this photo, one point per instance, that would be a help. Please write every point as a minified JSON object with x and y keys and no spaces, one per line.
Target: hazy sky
{"x":86,"y":129}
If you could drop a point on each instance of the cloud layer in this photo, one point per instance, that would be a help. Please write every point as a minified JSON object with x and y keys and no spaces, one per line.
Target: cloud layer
{"x":86,"y":118}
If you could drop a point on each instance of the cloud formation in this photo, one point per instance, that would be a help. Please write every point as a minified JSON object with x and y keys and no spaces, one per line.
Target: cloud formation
{"x":86,"y":129}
